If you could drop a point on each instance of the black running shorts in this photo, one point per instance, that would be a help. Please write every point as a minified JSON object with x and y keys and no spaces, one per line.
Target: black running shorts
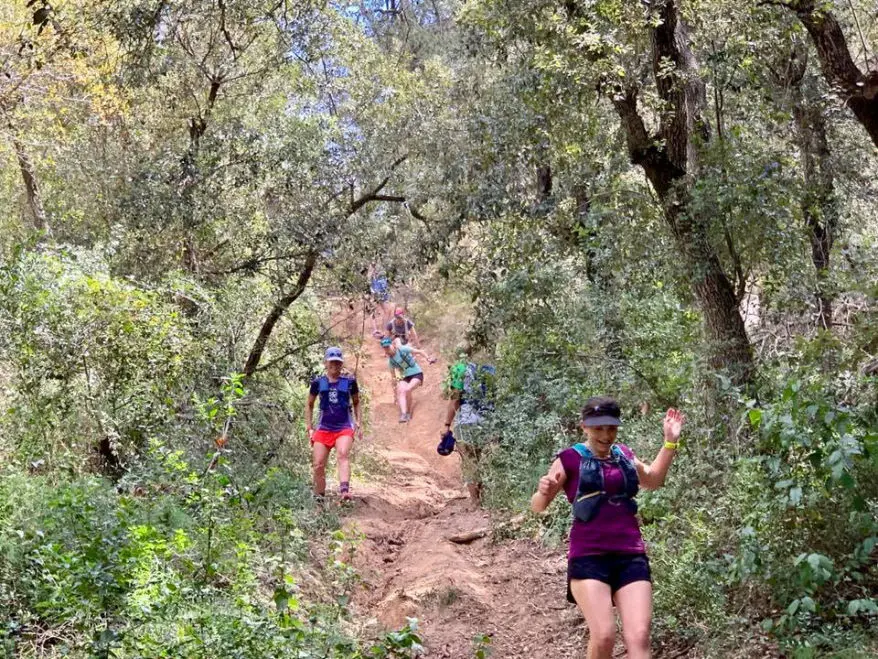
{"x":615,"y":570}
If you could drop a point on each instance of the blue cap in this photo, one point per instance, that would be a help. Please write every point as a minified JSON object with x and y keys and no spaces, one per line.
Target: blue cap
{"x":385,"y":342}
{"x":333,"y":354}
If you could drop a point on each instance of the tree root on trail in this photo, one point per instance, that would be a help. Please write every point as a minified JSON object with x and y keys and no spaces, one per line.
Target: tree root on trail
{"x":466,"y":538}
{"x":470,"y":536}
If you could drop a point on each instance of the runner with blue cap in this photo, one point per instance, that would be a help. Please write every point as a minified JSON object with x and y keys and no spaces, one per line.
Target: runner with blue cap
{"x":336,"y":427}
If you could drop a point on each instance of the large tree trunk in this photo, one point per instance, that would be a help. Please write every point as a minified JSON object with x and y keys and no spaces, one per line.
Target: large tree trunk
{"x":669,"y":162}
{"x":858,"y":89}
{"x":277,"y":311}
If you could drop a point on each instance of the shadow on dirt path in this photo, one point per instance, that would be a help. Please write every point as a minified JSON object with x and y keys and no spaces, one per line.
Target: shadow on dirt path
{"x":512,"y":591}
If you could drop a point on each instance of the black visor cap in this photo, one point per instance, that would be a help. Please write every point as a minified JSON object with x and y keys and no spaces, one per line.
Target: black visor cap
{"x":607,"y":413}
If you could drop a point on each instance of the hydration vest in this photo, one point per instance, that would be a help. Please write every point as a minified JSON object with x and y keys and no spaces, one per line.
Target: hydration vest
{"x":478,"y":387}
{"x":590,"y":494}
{"x":401,"y":331}
{"x":343,"y":390}
{"x":402,"y":361}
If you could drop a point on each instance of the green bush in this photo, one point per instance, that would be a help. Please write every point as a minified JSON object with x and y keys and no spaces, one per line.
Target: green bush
{"x":97,"y":364}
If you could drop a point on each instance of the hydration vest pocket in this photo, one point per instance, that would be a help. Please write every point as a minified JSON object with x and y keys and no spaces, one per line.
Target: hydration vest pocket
{"x":622,"y":500}
{"x":586,"y":506}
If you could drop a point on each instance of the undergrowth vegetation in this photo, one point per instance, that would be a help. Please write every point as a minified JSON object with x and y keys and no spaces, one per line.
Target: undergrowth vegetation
{"x":150,"y":504}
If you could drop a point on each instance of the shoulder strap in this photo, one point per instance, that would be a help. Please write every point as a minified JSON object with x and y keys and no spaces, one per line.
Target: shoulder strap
{"x":323,"y":384}
{"x":583,"y":450}
{"x":406,"y":356}
{"x":619,"y":454}
{"x":344,"y":384}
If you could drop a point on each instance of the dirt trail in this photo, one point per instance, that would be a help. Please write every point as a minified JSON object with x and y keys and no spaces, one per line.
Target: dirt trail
{"x":512,"y":591}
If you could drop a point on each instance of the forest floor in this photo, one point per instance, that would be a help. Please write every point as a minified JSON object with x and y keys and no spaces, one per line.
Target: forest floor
{"x":512,"y":591}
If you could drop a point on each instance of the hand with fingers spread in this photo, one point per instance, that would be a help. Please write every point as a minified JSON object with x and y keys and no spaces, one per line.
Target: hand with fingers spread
{"x":673,"y":425}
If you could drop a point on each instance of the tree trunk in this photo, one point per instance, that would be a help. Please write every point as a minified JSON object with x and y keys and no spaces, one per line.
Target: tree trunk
{"x":859,"y":90}
{"x":819,"y":205}
{"x":669,"y":162}
{"x":197,"y":129}
{"x":34,"y":199}
{"x":275,"y":315}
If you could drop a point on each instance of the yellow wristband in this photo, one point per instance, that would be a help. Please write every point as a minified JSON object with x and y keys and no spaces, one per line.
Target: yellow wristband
{"x":672,"y":445}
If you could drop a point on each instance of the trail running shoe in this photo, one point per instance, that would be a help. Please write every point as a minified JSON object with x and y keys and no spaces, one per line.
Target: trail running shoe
{"x":403,"y":418}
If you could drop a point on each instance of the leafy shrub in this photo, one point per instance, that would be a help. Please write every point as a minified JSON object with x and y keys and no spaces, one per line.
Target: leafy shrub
{"x":97,"y":363}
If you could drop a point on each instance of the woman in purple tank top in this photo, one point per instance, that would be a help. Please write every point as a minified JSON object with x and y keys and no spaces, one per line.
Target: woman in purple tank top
{"x":607,"y":561}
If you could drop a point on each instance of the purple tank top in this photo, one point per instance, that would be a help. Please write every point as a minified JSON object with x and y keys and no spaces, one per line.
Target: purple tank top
{"x":614,"y":529}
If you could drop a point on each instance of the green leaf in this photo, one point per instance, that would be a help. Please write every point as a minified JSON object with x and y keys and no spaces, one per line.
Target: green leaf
{"x":281,"y":599}
{"x":755,"y":416}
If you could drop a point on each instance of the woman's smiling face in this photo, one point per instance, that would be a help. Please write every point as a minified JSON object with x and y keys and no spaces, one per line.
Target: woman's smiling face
{"x":603,"y":437}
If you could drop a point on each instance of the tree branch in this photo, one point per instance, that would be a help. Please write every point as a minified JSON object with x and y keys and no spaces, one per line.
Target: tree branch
{"x":859,"y":90}
{"x":252,"y":264}
{"x":358,"y":203}
{"x":304,"y":346}
{"x":279,"y":308}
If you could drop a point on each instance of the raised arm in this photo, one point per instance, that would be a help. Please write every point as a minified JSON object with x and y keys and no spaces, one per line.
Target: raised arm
{"x":548,"y":488}
{"x":653,"y":476}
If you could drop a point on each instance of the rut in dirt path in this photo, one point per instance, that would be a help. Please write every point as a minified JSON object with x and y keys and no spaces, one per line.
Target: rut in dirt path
{"x":513,"y":591}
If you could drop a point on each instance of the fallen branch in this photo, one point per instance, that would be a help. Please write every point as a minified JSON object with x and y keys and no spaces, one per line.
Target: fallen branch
{"x":470,"y":536}
{"x":466,"y":538}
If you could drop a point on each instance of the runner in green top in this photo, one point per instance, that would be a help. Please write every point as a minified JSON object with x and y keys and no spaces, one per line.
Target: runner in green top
{"x":464,"y":408}
{"x":407,"y":375}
